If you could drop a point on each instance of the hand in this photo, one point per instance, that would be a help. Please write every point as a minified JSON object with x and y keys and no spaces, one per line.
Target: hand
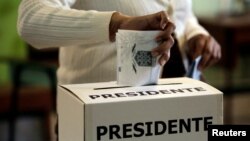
{"x":206,"y":47}
{"x":157,"y":21}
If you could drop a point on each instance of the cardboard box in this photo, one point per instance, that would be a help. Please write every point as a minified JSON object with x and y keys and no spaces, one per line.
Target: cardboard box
{"x":178,"y":109}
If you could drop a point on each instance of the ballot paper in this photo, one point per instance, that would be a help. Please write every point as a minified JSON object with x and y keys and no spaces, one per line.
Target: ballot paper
{"x":193,"y":71}
{"x":135,"y":64}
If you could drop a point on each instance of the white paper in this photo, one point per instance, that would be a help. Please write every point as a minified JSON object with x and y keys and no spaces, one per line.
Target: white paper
{"x":193,"y":71}
{"x":135,"y":64}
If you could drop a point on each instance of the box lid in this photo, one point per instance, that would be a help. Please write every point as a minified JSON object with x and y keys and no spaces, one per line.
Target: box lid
{"x":93,"y":93}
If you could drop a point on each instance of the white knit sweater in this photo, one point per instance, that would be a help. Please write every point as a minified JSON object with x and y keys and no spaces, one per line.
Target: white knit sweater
{"x":81,"y":29}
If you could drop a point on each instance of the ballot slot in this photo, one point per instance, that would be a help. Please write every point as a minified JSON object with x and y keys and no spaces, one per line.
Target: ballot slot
{"x":118,"y":87}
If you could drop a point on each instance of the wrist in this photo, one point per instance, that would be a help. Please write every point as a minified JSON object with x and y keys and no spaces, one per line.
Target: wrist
{"x":116,"y":21}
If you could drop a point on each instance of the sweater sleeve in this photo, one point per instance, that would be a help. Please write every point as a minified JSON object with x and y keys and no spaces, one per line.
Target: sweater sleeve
{"x":193,"y":28}
{"x":53,"y":23}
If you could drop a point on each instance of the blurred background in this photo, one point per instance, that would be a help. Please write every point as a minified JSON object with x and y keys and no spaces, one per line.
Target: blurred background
{"x":28,"y":80}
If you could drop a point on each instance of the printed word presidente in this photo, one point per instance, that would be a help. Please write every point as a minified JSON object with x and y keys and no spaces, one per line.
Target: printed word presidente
{"x":146,"y":93}
{"x":153,"y":128}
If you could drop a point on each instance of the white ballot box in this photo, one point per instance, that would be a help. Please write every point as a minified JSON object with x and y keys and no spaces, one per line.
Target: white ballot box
{"x":176,"y":109}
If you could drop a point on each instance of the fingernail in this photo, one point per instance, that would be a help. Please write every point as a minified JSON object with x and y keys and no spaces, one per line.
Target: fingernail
{"x":162,"y":62}
{"x":163,"y":26}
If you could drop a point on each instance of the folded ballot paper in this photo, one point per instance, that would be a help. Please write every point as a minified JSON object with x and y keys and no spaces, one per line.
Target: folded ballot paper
{"x":193,"y":71}
{"x":135,"y":65}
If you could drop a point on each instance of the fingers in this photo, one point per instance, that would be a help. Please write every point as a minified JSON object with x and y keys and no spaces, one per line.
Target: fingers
{"x":206,"y":55}
{"x":205,"y":46}
{"x":163,"y":50}
{"x":211,"y":54}
{"x":164,"y":58}
{"x":164,"y":39}
{"x":158,"y":21}
{"x":163,"y":20}
{"x":166,"y":22}
{"x":198,"y":48}
{"x":168,"y":31}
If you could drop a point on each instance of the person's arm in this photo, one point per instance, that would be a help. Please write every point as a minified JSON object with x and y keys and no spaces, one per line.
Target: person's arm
{"x":52,"y":23}
{"x":200,"y":42}
{"x":193,"y":28}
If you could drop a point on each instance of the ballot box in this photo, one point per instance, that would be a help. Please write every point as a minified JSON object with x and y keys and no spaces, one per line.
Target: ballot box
{"x":176,"y":109}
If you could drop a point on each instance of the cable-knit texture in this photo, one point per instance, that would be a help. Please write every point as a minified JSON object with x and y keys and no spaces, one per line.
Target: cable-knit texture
{"x":81,"y":29}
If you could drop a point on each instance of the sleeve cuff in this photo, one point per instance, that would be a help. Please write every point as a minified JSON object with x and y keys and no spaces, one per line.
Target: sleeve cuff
{"x":102,"y":21}
{"x":196,"y":31}
{"x":193,"y":29}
